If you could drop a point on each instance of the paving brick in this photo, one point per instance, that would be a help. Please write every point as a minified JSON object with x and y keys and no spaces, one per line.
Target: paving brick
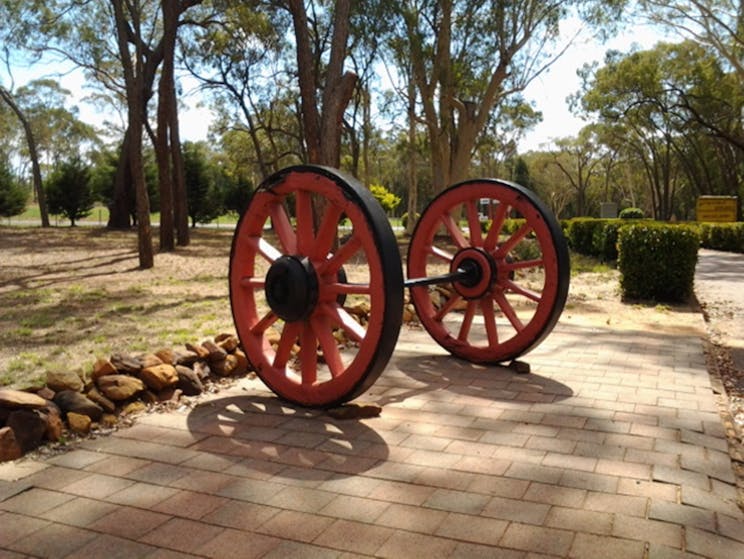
{"x":651,"y":489}
{"x":683,"y":515}
{"x":18,"y":526}
{"x":590,"y":546}
{"x":142,"y":495}
{"x":578,"y":520}
{"x":181,"y":535}
{"x":118,"y":466}
{"x":112,"y":547}
{"x":234,"y":543}
{"x":128,"y":522}
{"x":498,"y":486}
{"x":621,"y":504}
{"x":538,"y":539}
{"x":713,"y":545}
{"x":77,"y":459}
{"x":293,"y":525}
{"x":414,"y":519}
{"x":681,"y":477}
{"x":35,"y":501}
{"x":189,"y":504}
{"x":624,"y":469}
{"x":400,"y":544}
{"x":709,"y":501}
{"x":590,"y":481}
{"x":517,"y":510}
{"x":473,"y":529}
{"x":555,"y":495}
{"x":354,"y":537}
{"x":80,"y":512}
{"x":303,"y":550}
{"x":53,"y":541}
{"x":457,"y":501}
{"x":635,"y":528}
{"x":355,"y":508}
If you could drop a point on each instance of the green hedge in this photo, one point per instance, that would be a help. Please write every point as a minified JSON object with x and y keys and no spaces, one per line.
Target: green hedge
{"x":722,"y":236}
{"x":594,"y":237}
{"x":657,"y":261}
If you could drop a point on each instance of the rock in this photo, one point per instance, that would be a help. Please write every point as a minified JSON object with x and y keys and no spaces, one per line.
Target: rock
{"x":166,"y":355}
{"x":243,"y":363}
{"x":101,"y":368}
{"x":170,"y":395}
{"x":133,"y":408}
{"x":202,"y":370}
{"x":185,"y":357}
{"x":46,"y":393}
{"x":228,"y":343}
{"x":79,"y":423}
{"x":109,"y":420}
{"x":15,"y":399}
{"x":222,"y":337}
{"x":215,"y":352}
{"x":125,"y":363}
{"x":200,"y":351}
{"x":29,"y":427}
{"x":231,"y":365}
{"x":54,"y":425}
{"x":188,"y":381}
{"x":74,"y":402}
{"x":355,"y":411}
{"x":120,"y":387}
{"x":159,"y":376}
{"x":9,"y":447}
{"x":149,"y":360}
{"x":64,"y":380}
{"x":96,"y":396}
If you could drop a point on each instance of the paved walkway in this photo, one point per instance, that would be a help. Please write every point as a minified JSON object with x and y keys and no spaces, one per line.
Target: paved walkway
{"x":613,"y":447}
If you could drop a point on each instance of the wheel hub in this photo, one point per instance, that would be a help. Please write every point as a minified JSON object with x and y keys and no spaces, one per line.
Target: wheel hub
{"x":291,"y":288}
{"x":481,"y":272}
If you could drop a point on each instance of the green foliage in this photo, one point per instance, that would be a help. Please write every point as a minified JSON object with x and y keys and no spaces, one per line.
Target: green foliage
{"x":205,"y":201}
{"x":657,"y":261}
{"x":69,"y":192}
{"x":722,"y":236}
{"x":631,"y":213}
{"x":580,"y":234}
{"x":237,"y":194}
{"x":404,"y":219}
{"x":12,"y":195}
{"x":386,"y":199}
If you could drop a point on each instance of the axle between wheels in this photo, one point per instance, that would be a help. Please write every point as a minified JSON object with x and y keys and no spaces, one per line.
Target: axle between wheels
{"x":316,"y":281}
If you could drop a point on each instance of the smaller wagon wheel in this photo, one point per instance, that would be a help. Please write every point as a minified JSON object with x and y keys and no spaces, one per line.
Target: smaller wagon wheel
{"x":316,"y":286}
{"x":513,"y":264}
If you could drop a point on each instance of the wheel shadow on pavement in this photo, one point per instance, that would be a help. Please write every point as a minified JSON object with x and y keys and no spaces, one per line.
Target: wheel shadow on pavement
{"x":274,"y":436}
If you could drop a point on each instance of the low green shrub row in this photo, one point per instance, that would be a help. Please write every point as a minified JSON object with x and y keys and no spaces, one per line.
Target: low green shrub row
{"x":657,"y":261}
{"x":594,"y":237}
{"x":722,"y":236}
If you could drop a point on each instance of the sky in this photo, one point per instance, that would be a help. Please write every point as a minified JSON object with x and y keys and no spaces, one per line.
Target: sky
{"x":548,"y":92}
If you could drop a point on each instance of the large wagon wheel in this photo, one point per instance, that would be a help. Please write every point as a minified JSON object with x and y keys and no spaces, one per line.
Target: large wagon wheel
{"x":316,"y":295}
{"x":511,"y":262}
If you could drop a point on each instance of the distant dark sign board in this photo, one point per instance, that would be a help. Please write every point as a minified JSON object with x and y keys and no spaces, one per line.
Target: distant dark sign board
{"x":716,"y":208}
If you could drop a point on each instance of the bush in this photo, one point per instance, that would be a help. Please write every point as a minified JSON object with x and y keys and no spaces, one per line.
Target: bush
{"x":12,"y":195}
{"x":581,"y":234}
{"x":722,"y":236}
{"x":69,"y":191}
{"x":657,"y":261}
{"x":631,"y":213}
{"x":404,"y":219}
{"x":604,"y":241}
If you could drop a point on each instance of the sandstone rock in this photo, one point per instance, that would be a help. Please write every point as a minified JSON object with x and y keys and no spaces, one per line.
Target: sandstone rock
{"x":227,"y":342}
{"x":15,"y":399}
{"x":222,"y":337}
{"x":101,"y":368}
{"x":79,"y":423}
{"x":215,"y":352}
{"x":171,"y":394}
{"x":96,"y":396}
{"x":133,"y":408}
{"x":227,"y":366}
{"x":159,"y":376}
{"x":54,"y":425}
{"x":200,"y":351}
{"x":188,"y":381}
{"x":120,"y":387}
{"x":243,"y":364}
{"x":149,"y":360}
{"x":64,"y":380}
{"x":9,"y":447}
{"x":46,"y":393}
{"x":202,"y":370}
{"x":29,"y":427}
{"x":166,"y":355}
{"x":185,"y":357}
{"x":126,"y":363}
{"x":108,"y":420}
{"x":74,"y":402}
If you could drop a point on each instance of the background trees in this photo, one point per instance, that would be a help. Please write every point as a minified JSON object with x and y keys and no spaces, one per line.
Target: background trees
{"x":409,"y":95}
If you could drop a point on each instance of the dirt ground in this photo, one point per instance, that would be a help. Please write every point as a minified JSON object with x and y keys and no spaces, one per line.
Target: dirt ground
{"x":71,"y":295}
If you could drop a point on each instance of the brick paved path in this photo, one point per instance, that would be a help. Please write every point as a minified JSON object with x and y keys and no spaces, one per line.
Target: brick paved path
{"x":612,"y":448}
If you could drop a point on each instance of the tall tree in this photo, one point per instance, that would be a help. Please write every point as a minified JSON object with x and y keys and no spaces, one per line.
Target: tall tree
{"x":467,"y":58}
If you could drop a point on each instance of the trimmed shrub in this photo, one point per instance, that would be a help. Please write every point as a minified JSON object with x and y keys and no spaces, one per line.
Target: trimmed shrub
{"x":604,"y":242}
{"x":722,"y":236}
{"x":581,"y":234}
{"x":631,"y":213}
{"x":657,"y":261}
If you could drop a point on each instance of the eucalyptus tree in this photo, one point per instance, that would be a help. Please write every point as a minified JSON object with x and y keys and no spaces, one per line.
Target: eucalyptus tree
{"x":579,"y":160}
{"x":467,"y":58}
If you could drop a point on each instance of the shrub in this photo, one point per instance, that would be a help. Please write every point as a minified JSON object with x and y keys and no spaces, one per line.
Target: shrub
{"x":722,"y":236}
{"x":387,"y":199}
{"x":581,"y":235}
{"x":631,"y":213}
{"x":69,"y":192}
{"x":404,"y":219}
{"x":657,"y":261}
{"x":604,"y":240}
{"x":12,"y":195}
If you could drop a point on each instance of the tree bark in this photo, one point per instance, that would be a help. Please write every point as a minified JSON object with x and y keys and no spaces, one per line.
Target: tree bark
{"x":31,"y":143}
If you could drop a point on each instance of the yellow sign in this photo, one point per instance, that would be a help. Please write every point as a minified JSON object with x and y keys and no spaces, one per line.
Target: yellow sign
{"x":716,"y":208}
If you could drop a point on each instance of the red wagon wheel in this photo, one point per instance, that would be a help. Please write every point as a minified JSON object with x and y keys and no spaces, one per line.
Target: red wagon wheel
{"x":316,"y":295}
{"x":513,"y":264}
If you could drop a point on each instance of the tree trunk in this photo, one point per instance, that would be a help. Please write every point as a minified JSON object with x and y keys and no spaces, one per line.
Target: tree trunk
{"x":33,"y":152}
{"x":412,"y":174}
